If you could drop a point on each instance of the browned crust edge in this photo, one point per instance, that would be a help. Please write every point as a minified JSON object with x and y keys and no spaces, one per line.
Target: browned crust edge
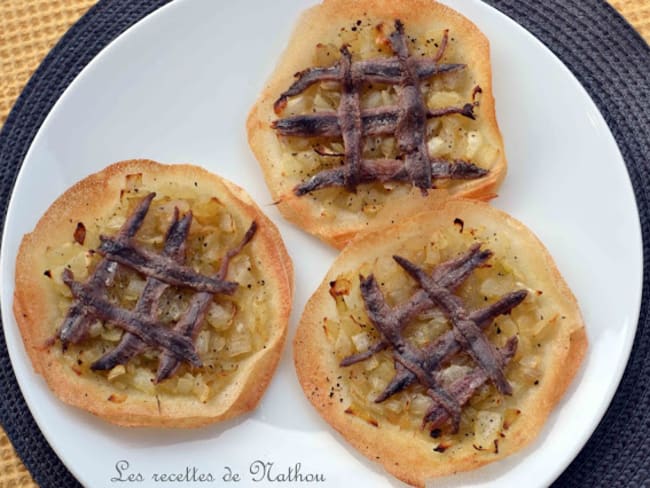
{"x":88,"y":198}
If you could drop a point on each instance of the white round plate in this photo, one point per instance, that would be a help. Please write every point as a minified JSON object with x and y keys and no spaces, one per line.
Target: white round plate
{"x":177,"y":87}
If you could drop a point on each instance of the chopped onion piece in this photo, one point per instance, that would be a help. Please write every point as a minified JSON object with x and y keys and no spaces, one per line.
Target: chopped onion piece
{"x":419,"y":404}
{"x":487,"y":426}
{"x":118,"y":370}
{"x":220,"y":315}
{"x":143,"y":381}
{"x":361,"y":341}
{"x":134,"y":289}
{"x":453,"y":373}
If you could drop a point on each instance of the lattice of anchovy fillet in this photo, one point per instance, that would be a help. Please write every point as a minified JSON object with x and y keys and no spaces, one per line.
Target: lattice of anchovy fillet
{"x":142,"y":330}
{"x":407,"y":120}
{"x":423,"y":365}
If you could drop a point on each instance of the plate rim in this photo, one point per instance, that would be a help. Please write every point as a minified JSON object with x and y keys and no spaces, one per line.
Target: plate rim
{"x":124,"y":36}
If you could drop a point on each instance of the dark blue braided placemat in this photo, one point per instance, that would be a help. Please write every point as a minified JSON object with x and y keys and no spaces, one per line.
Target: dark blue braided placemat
{"x":608,"y":57}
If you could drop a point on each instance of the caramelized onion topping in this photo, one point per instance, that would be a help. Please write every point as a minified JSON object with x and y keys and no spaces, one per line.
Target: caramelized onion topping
{"x":407,"y":120}
{"x":421,"y":365}
{"x":141,"y":325}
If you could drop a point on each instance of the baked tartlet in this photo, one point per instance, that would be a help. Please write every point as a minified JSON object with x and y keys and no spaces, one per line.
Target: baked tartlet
{"x":370,"y":99}
{"x":441,"y":342}
{"x":187,"y":329}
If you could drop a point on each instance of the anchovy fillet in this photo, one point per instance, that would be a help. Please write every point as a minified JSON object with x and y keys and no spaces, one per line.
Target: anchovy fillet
{"x":384,"y":170}
{"x":386,"y":70}
{"x":407,"y":120}
{"x":445,"y":347}
{"x":449,"y":274}
{"x":374,"y":121}
{"x":423,"y":364}
{"x":163,"y":268}
{"x":131,"y":345}
{"x":141,"y":325}
{"x":149,"y":331}
{"x":468,"y":334}
{"x":403,"y":352}
{"x":463,"y":388}
{"x":76,"y":322}
{"x":190,"y":322}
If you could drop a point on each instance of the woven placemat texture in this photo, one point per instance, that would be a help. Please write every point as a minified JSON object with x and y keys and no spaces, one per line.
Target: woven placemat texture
{"x":28,"y":30}
{"x":589,"y":37}
{"x":637,"y":13}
